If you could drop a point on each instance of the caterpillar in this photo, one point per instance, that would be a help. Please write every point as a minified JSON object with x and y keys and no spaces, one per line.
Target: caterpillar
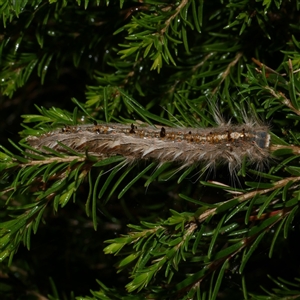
{"x":224,"y":144}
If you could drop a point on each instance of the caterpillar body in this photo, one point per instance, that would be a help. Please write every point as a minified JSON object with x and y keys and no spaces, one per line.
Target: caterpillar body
{"x":225,"y":144}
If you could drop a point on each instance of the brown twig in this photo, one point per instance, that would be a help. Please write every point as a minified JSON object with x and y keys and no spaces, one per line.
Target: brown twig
{"x":247,"y":196}
{"x":281,"y":97}
{"x":227,"y":71}
{"x":177,"y":11}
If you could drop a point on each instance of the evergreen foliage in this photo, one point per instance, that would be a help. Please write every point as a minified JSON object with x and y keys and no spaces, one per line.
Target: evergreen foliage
{"x":78,"y":226}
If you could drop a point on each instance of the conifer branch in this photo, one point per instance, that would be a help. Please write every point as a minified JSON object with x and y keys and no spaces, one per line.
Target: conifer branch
{"x":179,"y":8}
{"x":227,"y":71}
{"x":282,"y":97}
{"x":50,"y":160}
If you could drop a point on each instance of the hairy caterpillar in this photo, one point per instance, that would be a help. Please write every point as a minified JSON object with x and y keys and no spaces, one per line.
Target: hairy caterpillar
{"x":225,"y":144}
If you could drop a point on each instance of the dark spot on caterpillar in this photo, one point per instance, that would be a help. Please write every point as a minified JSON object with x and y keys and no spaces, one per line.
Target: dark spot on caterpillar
{"x":190,"y":132}
{"x":228,"y":136}
{"x":66,"y":129}
{"x":243,"y":133}
{"x":162,"y":132}
{"x":132,"y":129}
